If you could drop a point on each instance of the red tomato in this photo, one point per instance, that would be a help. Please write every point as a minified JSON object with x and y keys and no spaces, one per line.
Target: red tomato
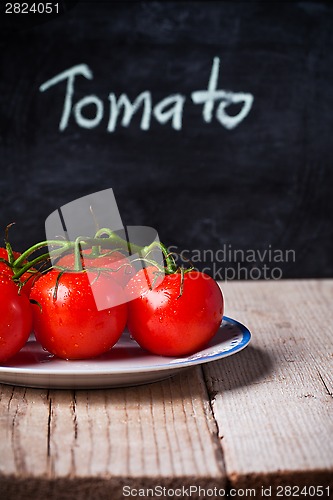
{"x":27,"y":277}
{"x":4,"y":255}
{"x":15,"y":318}
{"x":122,"y":270}
{"x":69,"y":324}
{"x":170,"y":322}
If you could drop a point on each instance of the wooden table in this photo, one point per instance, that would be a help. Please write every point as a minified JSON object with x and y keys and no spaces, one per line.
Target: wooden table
{"x":257,"y":422}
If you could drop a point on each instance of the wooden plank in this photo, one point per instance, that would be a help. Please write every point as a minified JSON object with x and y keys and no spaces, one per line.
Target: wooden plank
{"x":85,"y":443}
{"x":273,"y":401}
{"x":23,"y":431}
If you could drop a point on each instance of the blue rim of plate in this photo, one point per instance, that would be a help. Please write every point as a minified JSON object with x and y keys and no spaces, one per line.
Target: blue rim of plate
{"x":246,"y":337}
{"x":171,"y":363}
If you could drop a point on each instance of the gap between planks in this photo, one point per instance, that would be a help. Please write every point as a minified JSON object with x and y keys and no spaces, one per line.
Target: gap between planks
{"x":273,"y":402}
{"x":162,"y":432}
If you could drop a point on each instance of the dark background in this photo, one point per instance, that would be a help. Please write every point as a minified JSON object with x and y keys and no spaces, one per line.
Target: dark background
{"x":267,"y":182}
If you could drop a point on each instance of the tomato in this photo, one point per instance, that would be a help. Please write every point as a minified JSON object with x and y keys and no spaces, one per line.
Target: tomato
{"x":172,"y":319}
{"x":67,"y":321}
{"x":121,"y":269}
{"x":4,"y":255}
{"x":27,"y":277}
{"x":15,"y":318}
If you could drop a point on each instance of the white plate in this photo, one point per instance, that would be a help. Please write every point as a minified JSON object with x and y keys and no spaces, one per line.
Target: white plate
{"x":125,"y":365}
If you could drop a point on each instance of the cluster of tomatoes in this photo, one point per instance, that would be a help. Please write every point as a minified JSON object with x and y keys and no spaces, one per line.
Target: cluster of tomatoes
{"x":172,"y":313}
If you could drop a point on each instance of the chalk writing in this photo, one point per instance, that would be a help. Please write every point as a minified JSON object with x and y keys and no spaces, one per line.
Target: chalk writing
{"x":168,"y":110}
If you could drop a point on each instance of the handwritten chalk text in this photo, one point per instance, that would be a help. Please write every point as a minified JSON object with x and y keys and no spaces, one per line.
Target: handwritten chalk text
{"x":169,"y":110}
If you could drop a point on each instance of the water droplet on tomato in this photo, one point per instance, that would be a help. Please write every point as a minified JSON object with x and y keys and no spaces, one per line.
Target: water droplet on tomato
{"x":160,"y":319}
{"x":76,"y":345}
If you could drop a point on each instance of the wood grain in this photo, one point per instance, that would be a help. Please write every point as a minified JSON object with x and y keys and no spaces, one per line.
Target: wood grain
{"x":273,"y":402}
{"x":161,"y":433}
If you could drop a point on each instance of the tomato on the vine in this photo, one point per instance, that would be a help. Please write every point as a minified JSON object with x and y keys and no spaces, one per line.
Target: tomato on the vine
{"x":67,"y":321}
{"x":177,"y":316}
{"x":119,"y":265}
{"x":4,"y":255}
{"x":15,"y":318}
{"x":27,"y":278}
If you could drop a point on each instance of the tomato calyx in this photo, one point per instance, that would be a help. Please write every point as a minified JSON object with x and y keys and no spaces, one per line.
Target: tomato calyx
{"x":36,"y":303}
{"x":172,"y":267}
{"x":71,"y":271}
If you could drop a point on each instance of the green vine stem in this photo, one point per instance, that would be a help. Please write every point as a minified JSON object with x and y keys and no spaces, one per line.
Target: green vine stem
{"x":65,"y":246}
{"x":22,"y":265}
{"x":77,"y":253}
{"x":171,"y":266}
{"x":9,"y":249}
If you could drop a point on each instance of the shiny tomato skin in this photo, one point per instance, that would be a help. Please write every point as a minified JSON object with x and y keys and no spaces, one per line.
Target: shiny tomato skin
{"x":69,"y":325}
{"x":15,"y":318}
{"x":122,"y":270}
{"x":167,"y":324}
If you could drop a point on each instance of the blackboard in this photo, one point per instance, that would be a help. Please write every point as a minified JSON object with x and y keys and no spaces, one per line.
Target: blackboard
{"x":239,"y":179}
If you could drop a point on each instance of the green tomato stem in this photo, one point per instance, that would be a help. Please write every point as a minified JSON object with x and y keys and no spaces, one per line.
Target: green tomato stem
{"x":32,"y":263}
{"x":66,"y":245}
{"x":171,"y":266}
{"x":9,"y":249}
{"x":77,"y":254}
{"x":20,"y":266}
